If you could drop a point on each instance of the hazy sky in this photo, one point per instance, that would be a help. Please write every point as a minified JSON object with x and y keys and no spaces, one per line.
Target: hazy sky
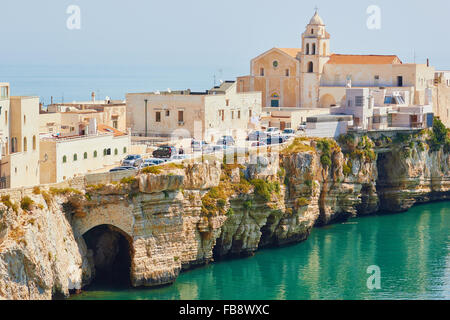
{"x":218,"y":34}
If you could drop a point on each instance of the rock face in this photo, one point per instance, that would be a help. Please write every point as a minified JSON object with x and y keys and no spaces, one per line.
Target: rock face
{"x":418,"y":178}
{"x":192,"y":215}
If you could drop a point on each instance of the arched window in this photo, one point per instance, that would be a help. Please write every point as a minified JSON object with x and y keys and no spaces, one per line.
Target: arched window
{"x":116,"y":152}
{"x":13,"y":145}
{"x":310,"y":67}
{"x":75,"y":157}
{"x":307,"y":48}
{"x":34,"y":142}
{"x":124,"y":149}
{"x":95,"y":154}
{"x":85,"y":155}
{"x":313,"y":48}
{"x":104,"y":152}
{"x":6,"y":117}
{"x":312,"y":31}
{"x":25,"y":147}
{"x":64,"y":159}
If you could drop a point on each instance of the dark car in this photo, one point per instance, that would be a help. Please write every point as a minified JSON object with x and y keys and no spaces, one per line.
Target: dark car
{"x":165,"y":152}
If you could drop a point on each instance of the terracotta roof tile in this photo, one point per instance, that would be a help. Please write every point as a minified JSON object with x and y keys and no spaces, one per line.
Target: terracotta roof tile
{"x":363,"y":59}
{"x":108,"y":129}
{"x":291,"y":51}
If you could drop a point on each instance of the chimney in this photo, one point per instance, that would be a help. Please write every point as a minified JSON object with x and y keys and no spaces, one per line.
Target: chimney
{"x":93,"y":96}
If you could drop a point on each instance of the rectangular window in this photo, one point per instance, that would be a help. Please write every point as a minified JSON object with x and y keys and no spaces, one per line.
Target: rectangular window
{"x":4,"y":92}
{"x":399,"y":81}
{"x":274,"y":103}
{"x":232,"y":115}
{"x":115,"y":124}
{"x":249,"y":113}
{"x":227,"y":102}
{"x":261,"y":72}
{"x":359,"y":101}
{"x":287,"y":72}
{"x":239,"y":114}
{"x":167,"y":113}
{"x":180,"y":116}
{"x":158,"y":116}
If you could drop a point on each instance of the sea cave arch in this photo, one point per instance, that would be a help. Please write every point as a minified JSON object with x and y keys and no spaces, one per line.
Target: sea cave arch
{"x":110,"y":252}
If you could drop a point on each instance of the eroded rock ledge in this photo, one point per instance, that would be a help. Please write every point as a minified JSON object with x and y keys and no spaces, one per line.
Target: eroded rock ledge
{"x":187,"y":215}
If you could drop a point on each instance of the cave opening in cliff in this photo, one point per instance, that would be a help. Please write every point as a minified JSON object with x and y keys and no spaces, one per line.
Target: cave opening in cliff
{"x":110,"y":254}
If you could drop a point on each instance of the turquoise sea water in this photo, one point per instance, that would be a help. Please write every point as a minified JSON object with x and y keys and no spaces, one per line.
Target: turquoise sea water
{"x":412,"y":250}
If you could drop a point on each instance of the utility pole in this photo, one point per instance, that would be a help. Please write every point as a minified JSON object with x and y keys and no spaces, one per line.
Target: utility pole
{"x":146,"y":116}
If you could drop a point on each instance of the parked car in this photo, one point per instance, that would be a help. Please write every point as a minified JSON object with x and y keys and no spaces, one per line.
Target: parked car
{"x":214,"y":148}
{"x":165,"y":152}
{"x":276,"y":140}
{"x":179,"y":157}
{"x":257,"y":136}
{"x":288,"y":133}
{"x":156,"y":161}
{"x":198,"y":145}
{"x":259,"y":144}
{"x":226,"y":141}
{"x":151,"y":162}
{"x":271,"y":131}
{"x":302,"y":126}
{"x":132,"y":160}
{"x":122,"y":168}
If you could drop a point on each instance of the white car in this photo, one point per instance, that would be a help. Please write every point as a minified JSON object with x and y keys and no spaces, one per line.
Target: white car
{"x":273,"y":131}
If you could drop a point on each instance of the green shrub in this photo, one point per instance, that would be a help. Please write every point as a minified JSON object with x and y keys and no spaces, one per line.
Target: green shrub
{"x":302,"y":202}
{"x":248,"y":205}
{"x":128,"y":180}
{"x":36,"y":190}
{"x":325,"y":160}
{"x":6,"y":200}
{"x":26,"y":203}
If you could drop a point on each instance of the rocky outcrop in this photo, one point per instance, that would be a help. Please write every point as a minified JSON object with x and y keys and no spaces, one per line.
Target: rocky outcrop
{"x":179,"y":217}
{"x":407,"y":177}
{"x":39,"y":256}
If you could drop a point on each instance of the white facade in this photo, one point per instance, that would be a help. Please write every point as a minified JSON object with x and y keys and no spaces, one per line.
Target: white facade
{"x":64,"y":158}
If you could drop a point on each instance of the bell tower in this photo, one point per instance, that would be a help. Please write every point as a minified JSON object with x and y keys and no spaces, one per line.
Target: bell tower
{"x":315,"y":54}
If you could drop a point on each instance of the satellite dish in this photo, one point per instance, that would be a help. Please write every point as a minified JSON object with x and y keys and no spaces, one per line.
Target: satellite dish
{"x":221,"y":81}
{"x":168,"y":90}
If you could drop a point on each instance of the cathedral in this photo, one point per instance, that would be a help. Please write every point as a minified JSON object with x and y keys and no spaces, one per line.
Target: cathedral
{"x":299,"y":82}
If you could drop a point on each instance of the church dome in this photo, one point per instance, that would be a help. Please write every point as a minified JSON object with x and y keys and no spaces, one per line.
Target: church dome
{"x":316,"y":19}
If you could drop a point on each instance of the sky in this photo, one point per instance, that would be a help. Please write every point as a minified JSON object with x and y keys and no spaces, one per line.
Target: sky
{"x":220,"y":36}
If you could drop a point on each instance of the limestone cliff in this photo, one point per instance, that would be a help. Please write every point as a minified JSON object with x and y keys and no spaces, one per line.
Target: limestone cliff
{"x":176,"y":217}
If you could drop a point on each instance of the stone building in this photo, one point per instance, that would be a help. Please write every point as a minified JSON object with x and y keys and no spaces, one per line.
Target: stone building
{"x":109,"y":112}
{"x":200,"y":115}
{"x":65,"y":157}
{"x":19,"y":140}
{"x":307,"y":79}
